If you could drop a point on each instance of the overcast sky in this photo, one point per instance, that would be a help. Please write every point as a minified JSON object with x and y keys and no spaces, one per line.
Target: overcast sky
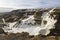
{"x":29,"y":3}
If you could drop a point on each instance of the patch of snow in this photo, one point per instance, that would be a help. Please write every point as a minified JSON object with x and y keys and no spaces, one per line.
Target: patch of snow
{"x":27,"y":25}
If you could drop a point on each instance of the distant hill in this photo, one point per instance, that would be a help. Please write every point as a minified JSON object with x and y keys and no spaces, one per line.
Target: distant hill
{"x":3,"y":9}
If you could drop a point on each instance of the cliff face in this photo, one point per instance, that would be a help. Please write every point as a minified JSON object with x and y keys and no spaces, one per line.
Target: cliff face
{"x":15,"y":15}
{"x":56,"y":31}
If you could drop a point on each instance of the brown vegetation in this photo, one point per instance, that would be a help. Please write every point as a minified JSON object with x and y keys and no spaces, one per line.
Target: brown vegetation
{"x":26,"y":36}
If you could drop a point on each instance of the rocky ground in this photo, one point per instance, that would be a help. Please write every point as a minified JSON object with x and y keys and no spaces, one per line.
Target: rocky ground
{"x":26,"y":36}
